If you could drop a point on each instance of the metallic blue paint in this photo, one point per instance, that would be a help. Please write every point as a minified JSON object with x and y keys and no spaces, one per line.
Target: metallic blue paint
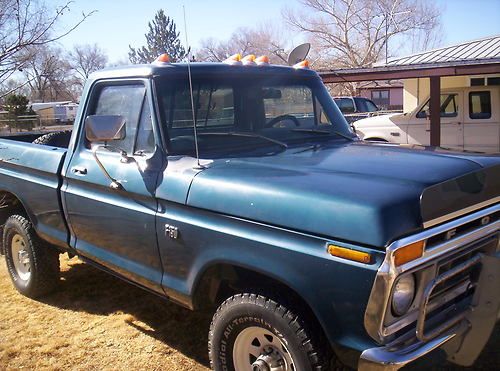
{"x":31,"y":173}
{"x":273,"y":215}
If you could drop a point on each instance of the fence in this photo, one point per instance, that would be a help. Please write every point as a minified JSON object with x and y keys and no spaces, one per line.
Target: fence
{"x":16,"y":124}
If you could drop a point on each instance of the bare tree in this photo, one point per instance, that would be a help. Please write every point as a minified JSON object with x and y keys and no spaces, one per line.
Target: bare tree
{"x":354,"y":33}
{"x":85,"y":59}
{"x":264,"y":40}
{"x":24,"y":24}
{"x":49,"y":75}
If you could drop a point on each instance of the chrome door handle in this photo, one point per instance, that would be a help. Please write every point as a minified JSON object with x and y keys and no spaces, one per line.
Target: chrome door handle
{"x":79,"y":170}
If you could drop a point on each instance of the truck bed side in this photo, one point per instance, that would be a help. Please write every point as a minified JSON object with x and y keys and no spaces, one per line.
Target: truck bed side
{"x":30,"y":173}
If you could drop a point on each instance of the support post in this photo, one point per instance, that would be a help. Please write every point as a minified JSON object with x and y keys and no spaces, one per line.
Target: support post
{"x":434,"y":106}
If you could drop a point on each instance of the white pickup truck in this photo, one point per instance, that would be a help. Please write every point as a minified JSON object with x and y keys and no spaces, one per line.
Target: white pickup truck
{"x":470,"y":120}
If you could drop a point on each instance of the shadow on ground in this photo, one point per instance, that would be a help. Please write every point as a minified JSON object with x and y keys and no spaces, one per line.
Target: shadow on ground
{"x":86,"y":289}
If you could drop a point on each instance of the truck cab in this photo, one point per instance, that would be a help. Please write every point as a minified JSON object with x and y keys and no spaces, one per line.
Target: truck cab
{"x":240,"y":189}
{"x":470,"y":120}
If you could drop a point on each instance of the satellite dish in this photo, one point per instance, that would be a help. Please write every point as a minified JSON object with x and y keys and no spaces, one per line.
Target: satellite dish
{"x":298,"y":54}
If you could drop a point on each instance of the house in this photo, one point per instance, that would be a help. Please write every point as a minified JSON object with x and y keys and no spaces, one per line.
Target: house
{"x":474,"y":63}
{"x":63,"y":112}
{"x":416,"y":90}
{"x":386,"y":94}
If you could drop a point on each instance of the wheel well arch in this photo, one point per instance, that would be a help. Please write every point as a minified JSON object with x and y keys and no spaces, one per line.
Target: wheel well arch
{"x":222,"y":280}
{"x":10,"y":204}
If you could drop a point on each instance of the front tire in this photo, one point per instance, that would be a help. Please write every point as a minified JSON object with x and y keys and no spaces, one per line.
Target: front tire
{"x":33,"y":265}
{"x":251,"y":332}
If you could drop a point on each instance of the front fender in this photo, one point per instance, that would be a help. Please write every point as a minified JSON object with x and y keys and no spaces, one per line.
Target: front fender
{"x":336,"y":290}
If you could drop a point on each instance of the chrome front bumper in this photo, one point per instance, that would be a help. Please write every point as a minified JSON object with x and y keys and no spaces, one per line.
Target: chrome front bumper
{"x":461,"y":332}
{"x":391,"y":357}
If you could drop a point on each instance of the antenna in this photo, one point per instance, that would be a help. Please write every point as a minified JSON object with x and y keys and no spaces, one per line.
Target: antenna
{"x":198,"y":165}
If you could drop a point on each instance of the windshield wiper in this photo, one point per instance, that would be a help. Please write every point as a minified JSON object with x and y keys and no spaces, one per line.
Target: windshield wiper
{"x":249,"y":135}
{"x":323,"y":132}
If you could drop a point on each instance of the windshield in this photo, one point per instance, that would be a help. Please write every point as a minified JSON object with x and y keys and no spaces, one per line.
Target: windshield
{"x":261,"y":114}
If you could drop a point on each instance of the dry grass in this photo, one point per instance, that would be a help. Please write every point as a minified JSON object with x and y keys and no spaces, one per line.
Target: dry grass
{"x":97,"y":322}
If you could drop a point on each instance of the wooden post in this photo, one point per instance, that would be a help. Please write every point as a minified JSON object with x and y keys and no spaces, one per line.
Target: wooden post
{"x":434,"y":106}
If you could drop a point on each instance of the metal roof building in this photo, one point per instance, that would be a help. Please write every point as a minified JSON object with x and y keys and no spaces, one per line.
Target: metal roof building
{"x":476,"y":51}
{"x":476,"y":57}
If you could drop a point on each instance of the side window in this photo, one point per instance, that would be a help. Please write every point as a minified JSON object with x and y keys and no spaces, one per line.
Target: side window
{"x":125,"y":100}
{"x":145,"y":141}
{"x":449,"y":107}
{"x":480,"y":105}
{"x":381,"y":98}
{"x":346,"y":105}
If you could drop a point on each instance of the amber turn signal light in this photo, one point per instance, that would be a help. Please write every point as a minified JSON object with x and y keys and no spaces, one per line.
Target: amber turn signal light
{"x":349,"y":254}
{"x":408,"y":253}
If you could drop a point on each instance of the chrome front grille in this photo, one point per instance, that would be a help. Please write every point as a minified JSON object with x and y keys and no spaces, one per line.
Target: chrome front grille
{"x":447,"y":276}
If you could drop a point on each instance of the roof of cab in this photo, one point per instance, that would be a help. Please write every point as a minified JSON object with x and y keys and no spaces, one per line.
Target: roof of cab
{"x":154,"y":69}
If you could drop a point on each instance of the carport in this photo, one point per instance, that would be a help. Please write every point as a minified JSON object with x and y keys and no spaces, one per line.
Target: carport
{"x":479,"y":57}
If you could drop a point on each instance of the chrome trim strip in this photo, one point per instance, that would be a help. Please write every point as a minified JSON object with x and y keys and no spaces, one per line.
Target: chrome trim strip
{"x":461,"y":212}
{"x":388,"y":272}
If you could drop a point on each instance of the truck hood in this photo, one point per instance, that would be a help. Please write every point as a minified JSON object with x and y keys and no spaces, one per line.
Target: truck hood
{"x":382,"y":120}
{"x":363,"y":193}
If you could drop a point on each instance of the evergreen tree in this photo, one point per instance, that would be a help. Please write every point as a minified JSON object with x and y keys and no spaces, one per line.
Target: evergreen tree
{"x":16,"y":104}
{"x":162,"y":37}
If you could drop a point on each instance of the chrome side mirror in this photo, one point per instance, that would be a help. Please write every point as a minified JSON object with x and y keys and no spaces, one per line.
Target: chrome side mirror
{"x":104,"y":128}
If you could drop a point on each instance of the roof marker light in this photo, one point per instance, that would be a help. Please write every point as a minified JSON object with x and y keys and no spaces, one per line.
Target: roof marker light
{"x":162,"y":58}
{"x":235,"y":59}
{"x":262,"y":60}
{"x":304,"y":64}
{"x":249,"y":60}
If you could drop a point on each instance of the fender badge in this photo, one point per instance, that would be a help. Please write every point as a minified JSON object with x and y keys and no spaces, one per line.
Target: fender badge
{"x":171,"y":231}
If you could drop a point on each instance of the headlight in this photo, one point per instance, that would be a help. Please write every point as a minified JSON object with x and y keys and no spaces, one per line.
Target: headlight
{"x":404,"y":292}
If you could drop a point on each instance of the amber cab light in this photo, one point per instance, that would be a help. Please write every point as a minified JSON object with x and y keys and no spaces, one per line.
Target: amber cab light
{"x":249,"y":60}
{"x":234,"y":59}
{"x":349,"y":254}
{"x":303,"y":64}
{"x":262,"y":60}
{"x":408,"y":253}
{"x":163,"y":58}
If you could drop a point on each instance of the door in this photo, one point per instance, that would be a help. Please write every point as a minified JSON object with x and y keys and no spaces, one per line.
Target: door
{"x":116,"y":227}
{"x":419,"y":126}
{"x":481,"y":123}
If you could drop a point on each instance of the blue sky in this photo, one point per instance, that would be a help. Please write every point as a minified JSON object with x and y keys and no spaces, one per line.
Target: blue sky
{"x":118,"y":23}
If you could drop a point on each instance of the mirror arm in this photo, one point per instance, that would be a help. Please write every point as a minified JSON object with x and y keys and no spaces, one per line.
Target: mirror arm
{"x":114,"y":183}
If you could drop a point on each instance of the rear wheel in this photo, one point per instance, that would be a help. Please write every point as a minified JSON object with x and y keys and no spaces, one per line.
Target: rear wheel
{"x":33,"y":265}
{"x":251,"y":332}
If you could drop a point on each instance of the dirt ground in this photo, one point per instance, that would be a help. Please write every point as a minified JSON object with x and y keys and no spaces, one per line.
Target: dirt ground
{"x":97,"y":322}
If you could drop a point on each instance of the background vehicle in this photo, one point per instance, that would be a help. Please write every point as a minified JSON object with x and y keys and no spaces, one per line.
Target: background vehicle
{"x":470,"y":120}
{"x":309,"y":245}
{"x":356,"y":108}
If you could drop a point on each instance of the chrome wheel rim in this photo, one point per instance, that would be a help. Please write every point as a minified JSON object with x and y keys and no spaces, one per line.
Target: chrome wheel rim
{"x":258,"y":349}
{"x":20,"y":257}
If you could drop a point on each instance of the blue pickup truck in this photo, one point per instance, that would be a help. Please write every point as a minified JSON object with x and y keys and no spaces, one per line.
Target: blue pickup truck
{"x":312,"y":249}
